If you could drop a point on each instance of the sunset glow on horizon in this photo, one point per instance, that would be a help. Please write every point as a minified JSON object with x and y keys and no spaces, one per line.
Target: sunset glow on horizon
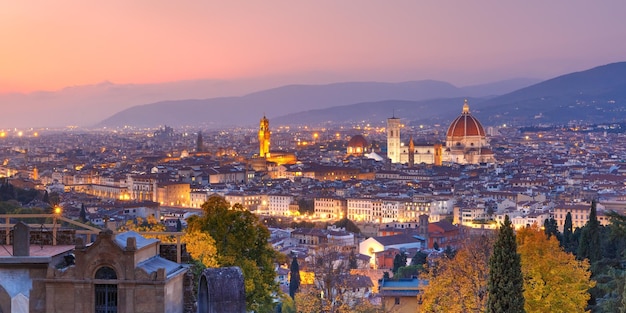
{"x":50,"y":45}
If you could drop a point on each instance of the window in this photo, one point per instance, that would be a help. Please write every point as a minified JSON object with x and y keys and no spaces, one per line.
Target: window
{"x":105,"y":294}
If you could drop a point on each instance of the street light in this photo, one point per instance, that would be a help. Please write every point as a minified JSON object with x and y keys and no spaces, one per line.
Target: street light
{"x":57,"y":212}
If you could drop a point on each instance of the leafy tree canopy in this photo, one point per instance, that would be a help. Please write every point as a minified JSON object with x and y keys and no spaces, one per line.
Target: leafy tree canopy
{"x":241,"y":240}
{"x":420,"y":258}
{"x":459,"y":284}
{"x":554,"y":281}
{"x":348,"y":225}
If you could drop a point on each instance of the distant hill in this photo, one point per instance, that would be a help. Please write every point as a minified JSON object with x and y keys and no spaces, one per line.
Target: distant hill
{"x":424,"y":111}
{"x":597,"y":95}
{"x":247,"y":110}
{"x":87,"y":105}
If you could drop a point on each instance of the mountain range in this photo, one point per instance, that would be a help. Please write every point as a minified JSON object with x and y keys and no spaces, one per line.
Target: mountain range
{"x":87,"y":105}
{"x":596,"y":95}
{"x":590,"y":96}
{"x":281,"y":101}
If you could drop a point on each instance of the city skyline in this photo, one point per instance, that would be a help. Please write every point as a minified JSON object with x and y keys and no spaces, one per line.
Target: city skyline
{"x":51,"y":46}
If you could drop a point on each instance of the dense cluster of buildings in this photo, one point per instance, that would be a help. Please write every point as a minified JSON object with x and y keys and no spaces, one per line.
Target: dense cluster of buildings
{"x":409,"y":188}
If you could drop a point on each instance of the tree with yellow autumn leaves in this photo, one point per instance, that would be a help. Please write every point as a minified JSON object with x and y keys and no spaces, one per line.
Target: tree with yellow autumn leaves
{"x":554,"y":281}
{"x":149,"y":224}
{"x":459,"y":284}
{"x":201,"y":247}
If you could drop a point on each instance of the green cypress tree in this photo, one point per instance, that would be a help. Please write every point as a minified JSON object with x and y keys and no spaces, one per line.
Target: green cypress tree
{"x":399,"y":261}
{"x":46,"y":198}
{"x":589,"y":246}
{"x":568,"y":232}
{"x":550,"y":227}
{"x":352,"y":261}
{"x":179,"y":225}
{"x":83,"y":213}
{"x":505,"y":286}
{"x":420,"y":258}
{"x":294,"y":280}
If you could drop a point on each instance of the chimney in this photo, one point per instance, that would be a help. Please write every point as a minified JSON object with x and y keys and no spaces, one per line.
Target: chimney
{"x":21,"y":239}
{"x":131,"y":244}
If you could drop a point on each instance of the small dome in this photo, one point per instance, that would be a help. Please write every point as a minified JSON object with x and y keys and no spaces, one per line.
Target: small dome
{"x":357,"y":141}
{"x":357,"y":145}
{"x":465,"y":125}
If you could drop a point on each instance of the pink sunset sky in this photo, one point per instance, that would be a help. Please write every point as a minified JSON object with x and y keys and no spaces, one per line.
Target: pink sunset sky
{"x":49,"y":45}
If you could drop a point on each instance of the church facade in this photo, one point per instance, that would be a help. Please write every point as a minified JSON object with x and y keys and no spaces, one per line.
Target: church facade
{"x":466,"y":143}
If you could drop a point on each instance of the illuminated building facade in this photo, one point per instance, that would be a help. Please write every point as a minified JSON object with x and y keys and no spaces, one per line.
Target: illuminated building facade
{"x":393,"y":139}
{"x":331,"y":208}
{"x":264,"y":137}
{"x":173,"y":194}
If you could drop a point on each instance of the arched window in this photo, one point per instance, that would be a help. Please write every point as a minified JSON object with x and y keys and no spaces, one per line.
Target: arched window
{"x":105,"y":293}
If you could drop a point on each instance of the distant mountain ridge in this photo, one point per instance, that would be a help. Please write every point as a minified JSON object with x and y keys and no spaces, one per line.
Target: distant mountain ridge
{"x":597,"y":95}
{"x":594,"y":95}
{"x":246,"y":110}
{"x":86,"y":105}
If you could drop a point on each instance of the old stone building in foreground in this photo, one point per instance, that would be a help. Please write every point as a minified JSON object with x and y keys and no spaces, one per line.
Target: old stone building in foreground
{"x":117,"y":273}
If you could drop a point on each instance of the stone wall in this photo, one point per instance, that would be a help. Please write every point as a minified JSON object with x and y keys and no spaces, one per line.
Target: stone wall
{"x":189,"y":295}
{"x":221,"y":290}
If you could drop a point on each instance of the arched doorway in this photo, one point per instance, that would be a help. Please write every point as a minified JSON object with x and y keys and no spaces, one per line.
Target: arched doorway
{"x":105,"y":293}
